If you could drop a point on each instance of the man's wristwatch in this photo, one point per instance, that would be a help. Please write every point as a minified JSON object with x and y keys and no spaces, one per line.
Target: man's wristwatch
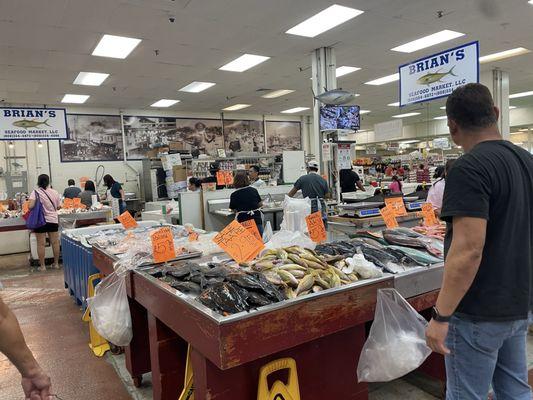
{"x":439,"y":318}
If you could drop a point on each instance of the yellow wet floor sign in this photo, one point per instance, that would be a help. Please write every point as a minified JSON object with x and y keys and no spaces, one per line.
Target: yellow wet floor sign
{"x":279,"y":390}
{"x":188,"y":387}
{"x":98,"y":344}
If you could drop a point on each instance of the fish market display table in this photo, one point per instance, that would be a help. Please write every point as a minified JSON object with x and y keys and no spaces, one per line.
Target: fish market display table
{"x":324,"y":332}
{"x":351,"y":224}
{"x":14,"y":236}
{"x":75,"y":220}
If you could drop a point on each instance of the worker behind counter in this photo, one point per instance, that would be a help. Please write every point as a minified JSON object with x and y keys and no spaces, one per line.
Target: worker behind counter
{"x":72,"y":190}
{"x":313,"y":186}
{"x":255,"y":181}
{"x":194,"y":184}
{"x":350,"y":181}
{"x":245,"y":201}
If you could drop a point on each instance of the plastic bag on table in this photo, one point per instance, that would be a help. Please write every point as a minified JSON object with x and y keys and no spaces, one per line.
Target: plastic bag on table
{"x":364,"y":268}
{"x":285,"y":238}
{"x":294,"y":213}
{"x":267,"y":232}
{"x":396,"y":344}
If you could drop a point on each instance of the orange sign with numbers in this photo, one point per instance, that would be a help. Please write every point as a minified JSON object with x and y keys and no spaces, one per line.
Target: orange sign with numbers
{"x":76,"y":202}
{"x":68,"y":203}
{"x":252,"y":228}
{"x":163,"y":245}
{"x":429,"y":215}
{"x":238,"y":242}
{"x":127,"y":220}
{"x":396,"y":203}
{"x":316,"y":228}
{"x":193,"y":236}
{"x":389,"y":216}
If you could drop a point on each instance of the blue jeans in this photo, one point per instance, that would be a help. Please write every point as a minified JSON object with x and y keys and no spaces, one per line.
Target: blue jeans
{"x":483,"y":353}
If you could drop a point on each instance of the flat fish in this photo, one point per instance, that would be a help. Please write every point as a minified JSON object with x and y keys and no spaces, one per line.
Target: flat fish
{"x":223,"y":297}
{"x":419,"y":256}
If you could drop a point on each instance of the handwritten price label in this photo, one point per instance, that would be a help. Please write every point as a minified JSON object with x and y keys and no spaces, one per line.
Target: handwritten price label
{"x":238,"y":242}
{"x":315,"y":225}
{"x":221,"y":178}
{"x":25,"y":207}
{"x":396,"y":203}
{"x":163,"y":245}
{"x":251,"y":226}
{"x":429,"y":215}
{"x":389,"y":216}
{"x":127,"y":220}
{"x":76,"y":202}
{"x":228,"y":177}
{"x":193,"y":236}
{"x":68,"y":203}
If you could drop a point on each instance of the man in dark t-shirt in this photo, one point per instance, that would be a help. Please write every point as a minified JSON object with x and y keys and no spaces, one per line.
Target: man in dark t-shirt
{"x":480,"y":319}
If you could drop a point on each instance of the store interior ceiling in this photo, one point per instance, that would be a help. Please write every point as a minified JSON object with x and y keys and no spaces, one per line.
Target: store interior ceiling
{"x":45,"y":44}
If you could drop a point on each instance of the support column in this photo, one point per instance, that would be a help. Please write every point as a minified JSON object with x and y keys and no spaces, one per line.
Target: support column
{"x":323,"y":64}
{"x":498,"y":83}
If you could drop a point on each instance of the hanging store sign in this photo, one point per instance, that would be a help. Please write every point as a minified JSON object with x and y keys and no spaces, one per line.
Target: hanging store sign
{"x":438,"y":75}
{"x":21,"y":123}
{"x":344,"y":156}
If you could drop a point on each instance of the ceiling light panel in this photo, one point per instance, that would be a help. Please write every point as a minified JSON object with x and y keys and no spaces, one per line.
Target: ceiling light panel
{"x":324,"y":21}
{"x":512,"y":107}
{"x":364,"y":111}
{"x":442,"y":108}
{"x":384,"y":80}
{"x":115,"y":46}
{"x":163,"y":103}
{"x":294,"y":110}
{"x":75,"y":98}
{"x":504,"y":54}
{"x":277,"y":93}
{"x":197,"y":87}
{"x":244,"y":62}
{"x":345,"y":70}
{"x":522,"y":94}
{"x":397,"y":104}
{"x":428,"y":41}
{"x":441,"y":117}
{"x":236,"y":107}
{"x":90,"y":78}
{"x":412,"y":114}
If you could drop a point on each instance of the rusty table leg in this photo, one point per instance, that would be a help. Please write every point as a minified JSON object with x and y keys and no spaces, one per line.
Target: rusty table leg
{"x":138,"y":352}
{"x":326,"y":370}
{"x":168,"y":354}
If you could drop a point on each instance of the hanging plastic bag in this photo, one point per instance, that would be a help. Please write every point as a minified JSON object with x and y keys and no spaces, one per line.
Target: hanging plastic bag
{"x":294,"y":213}
{"x":286,"y":238}
{"x":110,"y":311}
{"x":267,"y":232}
{"x":396,"y":344}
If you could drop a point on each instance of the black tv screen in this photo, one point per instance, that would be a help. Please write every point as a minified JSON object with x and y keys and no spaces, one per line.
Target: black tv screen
{"x":339,"y":117}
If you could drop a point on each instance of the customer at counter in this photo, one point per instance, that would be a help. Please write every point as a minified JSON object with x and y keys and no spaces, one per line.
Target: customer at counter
{"x":480,"y":320}
{"x":436,"y":192}
{"x":350,"y":181}
{"x":255,"y":181}
{"x":194,"y":184}
{"x":88,"y":193}
{"x":396,"y":185}
{"x":313,"y":186}
{"x":72,"y":190}
{"x":115,"y":191}
{"x":245,"y":201}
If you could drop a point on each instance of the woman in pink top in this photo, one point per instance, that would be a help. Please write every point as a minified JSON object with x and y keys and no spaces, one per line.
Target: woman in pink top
{"x":396,"y":185}
{"x":50,"y":201}
{"x":436,"y":192}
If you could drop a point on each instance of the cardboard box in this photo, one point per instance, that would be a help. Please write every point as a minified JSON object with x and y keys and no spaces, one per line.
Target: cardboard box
{"x":153,"y":153}
{"x":179,"y":173}
{"x":176,"y":146}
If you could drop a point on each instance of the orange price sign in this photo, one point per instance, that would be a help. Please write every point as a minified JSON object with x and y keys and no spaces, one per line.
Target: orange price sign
{"x":68,"y":203}
{"x":238,"y":242}
{"x":252,"y":228}
{"x":389,"y":216}
{"x":221,"y":178}
{"x":25,"y":207}
{"x":315,"y":225}
{"x":396,"y":203}
{"x":76,"y":202}
{"x":127,"y":220}
{"x":228,"y":177}
{"x":429,"y":215}
{"x":193,"y":236}
{"x":163,"y":245}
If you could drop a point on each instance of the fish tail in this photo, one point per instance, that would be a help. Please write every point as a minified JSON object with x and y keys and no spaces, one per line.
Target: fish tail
{"x":46,"y":122}
{"x":451,"y":71}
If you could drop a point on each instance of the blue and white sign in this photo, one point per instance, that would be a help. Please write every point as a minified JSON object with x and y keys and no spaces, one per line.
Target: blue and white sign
{"x":21,"y":123}
{"x":438,"y":75}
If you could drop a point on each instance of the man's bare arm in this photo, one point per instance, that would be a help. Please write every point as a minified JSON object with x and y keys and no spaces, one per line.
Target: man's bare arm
{"x":292,"y":192}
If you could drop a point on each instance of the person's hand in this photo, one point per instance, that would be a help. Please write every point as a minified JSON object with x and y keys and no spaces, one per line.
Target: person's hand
{"x":36,"y":385}
{"x":436,"y":333}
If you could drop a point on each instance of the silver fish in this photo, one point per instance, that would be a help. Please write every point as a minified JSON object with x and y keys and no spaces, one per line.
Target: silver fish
{"x":336,"y":97}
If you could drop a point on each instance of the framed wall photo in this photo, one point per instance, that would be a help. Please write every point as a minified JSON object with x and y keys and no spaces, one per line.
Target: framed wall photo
{"x":92,"y":138}
{"x":283,"y":135}
{"x":201,"y":136}
{"x":244,"y":136}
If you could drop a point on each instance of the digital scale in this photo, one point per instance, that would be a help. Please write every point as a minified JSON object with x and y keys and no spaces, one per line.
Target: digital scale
{"x":360,"y":210}
{"x":414,"y":206}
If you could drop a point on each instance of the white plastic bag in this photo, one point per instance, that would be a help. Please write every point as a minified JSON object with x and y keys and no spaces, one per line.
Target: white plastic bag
{"x":294,"y":213}
{"x":286,"y":238}
{"x":110,"y":311}
{"x":267,"y":232}
{"x":365,"y":269}
{"x":396,"y":344}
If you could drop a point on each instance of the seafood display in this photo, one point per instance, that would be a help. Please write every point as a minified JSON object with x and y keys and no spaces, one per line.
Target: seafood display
{"x":435,"y":231}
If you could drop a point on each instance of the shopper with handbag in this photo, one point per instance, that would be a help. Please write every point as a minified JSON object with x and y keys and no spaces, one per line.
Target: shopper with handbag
{"x":46,"y":200}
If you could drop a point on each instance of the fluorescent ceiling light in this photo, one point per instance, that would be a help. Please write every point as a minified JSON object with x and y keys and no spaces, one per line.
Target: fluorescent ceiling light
{"x":115,"y":46}
{"x":441,"y":117}
{"x":324,"y":21}
{"x":277,"y":93}
{"x":523,"y":130}
{"x":443,"y":108}
{"x":197,"y":87}
{"x":345,"y":70}
{"x":522,"y":94}
{"x":164,"y":103}
{"x":411,"y":114}
{"x":244,"y":62}
{"x":236,"y":107}
{"x":364,"y":111}
{"x":518,"y":143}
{"x":294,"y":110}
{"x":503,"y":55}
{"x":530,"y":1}
{"x":384,"y":80}
{"x":75,"y":98}
{"x":397,"y":104}
{"x":512,"y":107}
{"x":90,"y":78}
{"x":516,"y":133}
{"x":409,"y":141}
{"x":428,"y":41}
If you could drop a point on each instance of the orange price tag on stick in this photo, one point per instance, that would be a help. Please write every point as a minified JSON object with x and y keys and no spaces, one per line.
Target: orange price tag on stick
{"x":76,"y":202}
{"x":68,"y":203}
{"x":127,"y":220}
{"x":389,"y":216}
{"x":163,"y":245}
{"x":193,"y":236}
{"x":396,"y":203}
{"x":228,"y":177}
{"x":221,"y":178}
{"x":252,"y":228}
{"x":25,"y":207}
{"x":429,"y":215}
{"x":315,"y":225}
{"x":238,"y":242}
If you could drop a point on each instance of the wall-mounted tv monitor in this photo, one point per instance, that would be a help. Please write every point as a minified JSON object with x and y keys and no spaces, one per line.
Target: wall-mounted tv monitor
{"x":339,"y":117}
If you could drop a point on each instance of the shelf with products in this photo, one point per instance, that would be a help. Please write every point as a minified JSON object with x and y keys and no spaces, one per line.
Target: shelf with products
{"x":201,"y":168}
